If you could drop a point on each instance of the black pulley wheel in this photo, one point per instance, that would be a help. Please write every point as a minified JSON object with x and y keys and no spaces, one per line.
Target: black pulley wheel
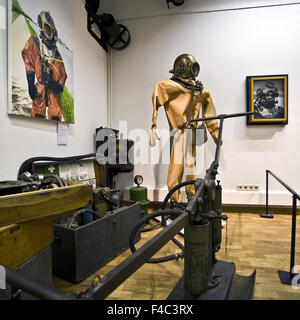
{"x":122,"y":40}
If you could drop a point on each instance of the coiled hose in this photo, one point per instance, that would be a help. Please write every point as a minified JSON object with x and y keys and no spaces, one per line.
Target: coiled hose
{"x":145,"y":220}
{"x":165,"y":202}
{"x":60,"y":181}
{"x":168,"y":196}
{"x":84,"y":210}
{"x":164,"y":213}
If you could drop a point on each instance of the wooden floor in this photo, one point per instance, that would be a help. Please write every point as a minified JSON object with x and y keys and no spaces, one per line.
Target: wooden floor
{"x":251,"y":242}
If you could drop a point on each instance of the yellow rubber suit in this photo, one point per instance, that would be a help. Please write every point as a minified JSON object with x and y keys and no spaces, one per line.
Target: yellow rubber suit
{"x":182,"y":105}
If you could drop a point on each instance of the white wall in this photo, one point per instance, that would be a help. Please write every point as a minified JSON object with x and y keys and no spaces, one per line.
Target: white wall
{"x":229,"y":45}
{"x":137,"y":9}
{"x":22,"y":138}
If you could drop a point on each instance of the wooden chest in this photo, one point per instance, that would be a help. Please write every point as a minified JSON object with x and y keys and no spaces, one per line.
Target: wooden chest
{"x":26,"y":220}
{"x":20,"y":242}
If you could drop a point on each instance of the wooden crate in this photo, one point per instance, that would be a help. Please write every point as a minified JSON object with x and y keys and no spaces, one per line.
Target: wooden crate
{"x":26,"y":220}
{"x":27,"y":206}
{"x":20,"y":242}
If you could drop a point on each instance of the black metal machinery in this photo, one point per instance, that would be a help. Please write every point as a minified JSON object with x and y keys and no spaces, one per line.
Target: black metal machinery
{"x":116,"y":153}
{"x":205,"y":277}
{"x":28,"y":182}
{"x":111,"y":34}
{"x":176,"y":3}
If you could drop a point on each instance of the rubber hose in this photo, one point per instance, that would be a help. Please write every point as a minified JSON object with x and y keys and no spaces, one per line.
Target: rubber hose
{"x":64,"y":181}
{"x":179,"y":244}
{"x":27,"y":165}
{"x":80,"y":212}
{"x":180,"y":185}
{"x":163,"y":222}
{"x":143,"y":221}
{"x":56,"y":178}
{"x":152,"y":227}
{"x":168,"y":196}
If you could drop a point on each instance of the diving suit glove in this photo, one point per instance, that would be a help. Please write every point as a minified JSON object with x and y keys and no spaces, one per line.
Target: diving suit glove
{"x":153,"y":137}
{"x":56,"y":87}
{"x":31,"y":86}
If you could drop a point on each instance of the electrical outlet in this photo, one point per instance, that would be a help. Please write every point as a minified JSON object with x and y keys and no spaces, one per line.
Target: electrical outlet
{"x":248,"y":187}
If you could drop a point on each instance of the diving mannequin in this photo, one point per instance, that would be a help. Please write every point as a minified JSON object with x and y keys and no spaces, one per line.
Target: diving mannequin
{"x":183,"y":97}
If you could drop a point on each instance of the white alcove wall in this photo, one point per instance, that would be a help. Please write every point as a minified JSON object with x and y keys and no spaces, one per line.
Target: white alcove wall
{"x":230,"y":45}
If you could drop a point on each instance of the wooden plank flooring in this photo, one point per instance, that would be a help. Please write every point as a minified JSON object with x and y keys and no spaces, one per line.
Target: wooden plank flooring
{"x":251,"y":242}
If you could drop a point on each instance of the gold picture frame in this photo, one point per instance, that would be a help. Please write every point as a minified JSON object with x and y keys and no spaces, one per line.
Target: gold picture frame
{"x":267,"y":97}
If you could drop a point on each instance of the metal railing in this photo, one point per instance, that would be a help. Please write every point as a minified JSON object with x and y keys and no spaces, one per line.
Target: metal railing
{"x":285,"y":277}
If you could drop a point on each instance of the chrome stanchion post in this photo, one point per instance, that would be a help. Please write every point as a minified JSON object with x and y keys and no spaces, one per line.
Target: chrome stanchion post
{"x":266,"y":214}
{"x":285,"y":276}
{"x":293,"y":237}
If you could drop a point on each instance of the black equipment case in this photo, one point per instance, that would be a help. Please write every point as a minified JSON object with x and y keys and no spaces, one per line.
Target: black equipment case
{"x":78,"y":253}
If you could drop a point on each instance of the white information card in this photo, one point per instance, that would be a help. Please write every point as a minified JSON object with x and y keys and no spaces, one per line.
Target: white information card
{"x":62,"y":133}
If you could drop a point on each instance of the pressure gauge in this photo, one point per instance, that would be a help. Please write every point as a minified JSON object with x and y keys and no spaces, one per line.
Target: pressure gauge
{"x":138,"y":180}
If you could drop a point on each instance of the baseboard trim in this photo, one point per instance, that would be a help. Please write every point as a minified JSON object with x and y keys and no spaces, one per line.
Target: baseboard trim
{"x":242,"y":208}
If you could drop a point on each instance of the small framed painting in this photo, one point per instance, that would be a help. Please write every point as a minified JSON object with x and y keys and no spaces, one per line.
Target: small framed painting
{"x":267,"y":97}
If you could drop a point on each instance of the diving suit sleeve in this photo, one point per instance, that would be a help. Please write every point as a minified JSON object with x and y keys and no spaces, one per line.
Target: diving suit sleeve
{"x":59,"y":76}
{"x":28,"y":54}
{"x":63,"y":75}
{"x":31,"y":86}
{"x":209,"y":110}
{"x":161,"y":94}
{"x":156,"y":102}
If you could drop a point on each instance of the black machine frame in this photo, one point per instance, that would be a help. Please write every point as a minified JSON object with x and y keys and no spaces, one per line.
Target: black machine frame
{"x":125,"y":269}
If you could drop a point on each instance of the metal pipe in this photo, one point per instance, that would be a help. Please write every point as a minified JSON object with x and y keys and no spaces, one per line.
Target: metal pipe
{"x":35,"y":288}
{"x":225,"y":116}
{"x":266,"y":214}
{"x":293,"y":233}
{"x":217,"y":155}
{"x":192,"y":205}
{"x":126,"y":268}
{"x":285,"y":185}
{"x":293,"y":237}
{"x":267,"y":192}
